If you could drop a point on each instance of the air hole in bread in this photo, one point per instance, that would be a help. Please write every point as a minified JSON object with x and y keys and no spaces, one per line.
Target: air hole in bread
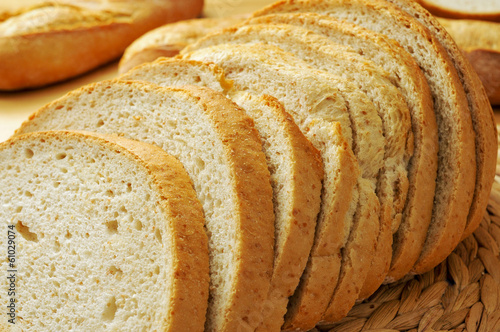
{"x":57,"y":246}
{"x":110,"y":310}
{"x":158,"y":235}
{"x":19,"y":209}
{"x":68,"y":235}
{"x":112,"y":226}
{"x":100,"y":123}
{"x":25,"y":232}
{"x":113,"y":270}
{"x":129,"y":187}
{"x":28,"y":194}
{"x":61,"y":156}
{"x":138,"y":225}
{"x":109,"y":193}
{"x":56,"y":184}
{"x":29,"y":153}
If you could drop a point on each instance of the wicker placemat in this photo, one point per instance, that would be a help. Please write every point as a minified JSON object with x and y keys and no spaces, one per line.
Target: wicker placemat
{"x":461,"y":294}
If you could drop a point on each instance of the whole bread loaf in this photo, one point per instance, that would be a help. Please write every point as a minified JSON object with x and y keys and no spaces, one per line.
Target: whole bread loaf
{"x":53,"y":41}
{"x":109,"y":227}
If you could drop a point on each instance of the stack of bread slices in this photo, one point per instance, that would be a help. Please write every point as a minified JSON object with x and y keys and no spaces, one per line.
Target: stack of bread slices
{"x":332,"y":146}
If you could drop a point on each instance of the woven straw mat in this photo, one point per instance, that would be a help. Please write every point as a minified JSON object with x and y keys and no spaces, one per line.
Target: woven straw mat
{"x":461,"y":294}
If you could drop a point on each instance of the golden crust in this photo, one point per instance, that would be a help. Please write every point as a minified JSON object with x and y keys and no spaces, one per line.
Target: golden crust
{"x":290,"y":260}
{"x":70,"y":48}
{"x":188,"y":303}
{"x":322,"y":271}
{"x":250,"y":177}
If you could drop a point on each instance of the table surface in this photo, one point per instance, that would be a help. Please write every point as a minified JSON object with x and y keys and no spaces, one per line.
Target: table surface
{"x":15,"y":107}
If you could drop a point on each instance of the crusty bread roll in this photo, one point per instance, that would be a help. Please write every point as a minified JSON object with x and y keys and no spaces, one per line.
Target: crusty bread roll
{"x":488,"y":10}
{"x":53,"y":41}
{"x":480,"y":42}
{"x":107,"y":229}
{"x":170,"y":39}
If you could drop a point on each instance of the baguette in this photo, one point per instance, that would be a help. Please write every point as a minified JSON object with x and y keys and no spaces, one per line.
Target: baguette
{"x":108,"y":230}
{"x":222,"y":153}
{"x":169,"y":40}
{"x":479,"y":41}
{"x":294,"y":164}
{"x":53,"y":41}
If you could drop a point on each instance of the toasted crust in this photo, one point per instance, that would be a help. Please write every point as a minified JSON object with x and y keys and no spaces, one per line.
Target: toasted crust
{"x":483,"y":120}
{"x":169,"y":40}
{"x":75,"y":37}
{"x":189,"y":287}
{"x":410,"y":237}
{"x":251,"y":187}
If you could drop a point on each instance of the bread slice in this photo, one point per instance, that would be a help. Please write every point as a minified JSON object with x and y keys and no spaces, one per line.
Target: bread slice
{"x":408,"y":78}
{"x":478,"y":40}
{"x":456,"y":163}
{"x":294,"y":164}
{"x":222,"y":153}
{"x":369,"y":145}
{"x":53,"y":41}
{"x":107,"y":229}
{"x":170,"y":39}
{"x":315,"y":105}
{"x":483,"y":119}
{"x":488,"y":10}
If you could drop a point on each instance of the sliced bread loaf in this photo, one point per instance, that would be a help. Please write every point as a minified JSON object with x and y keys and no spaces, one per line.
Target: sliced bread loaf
{"x":222,"y":153}
{"x":483,"y":119}
{"x":395,"y":146}
{"x":404,"y":74}
{"x":456,"y":162}
{"x":107,"y":230}
{"x":315,"y":104}
{"x":170,"y":39}
{"x":294,"y":164}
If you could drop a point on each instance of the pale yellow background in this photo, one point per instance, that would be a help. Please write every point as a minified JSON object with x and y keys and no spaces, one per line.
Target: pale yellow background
{"x":16,"y":107}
